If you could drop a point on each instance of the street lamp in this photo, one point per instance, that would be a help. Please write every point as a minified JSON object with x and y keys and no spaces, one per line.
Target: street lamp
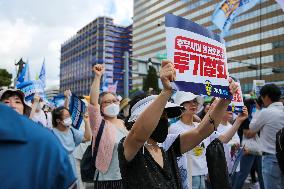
{"x":126,"y":70}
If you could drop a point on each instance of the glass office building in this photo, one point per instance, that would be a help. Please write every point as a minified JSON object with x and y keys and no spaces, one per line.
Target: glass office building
{"x":99,"y":42}
{"x":255,"y":42}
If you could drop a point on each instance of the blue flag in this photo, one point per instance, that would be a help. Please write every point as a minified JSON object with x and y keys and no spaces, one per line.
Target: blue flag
{"x":30,"y":88}
{"x":58,"y":100}
{"x":77,"y":108}
{"x":24,"y":76}
{"x":227,"y":11}
{"x":42,"y":74}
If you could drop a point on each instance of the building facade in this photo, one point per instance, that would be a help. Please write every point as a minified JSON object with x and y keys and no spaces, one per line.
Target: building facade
{"x":52,"y":92}
{"x":254,"y":44}
{"x":99,"y":42}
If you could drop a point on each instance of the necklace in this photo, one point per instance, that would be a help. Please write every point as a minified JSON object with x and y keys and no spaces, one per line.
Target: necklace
{"x":147,"y":144}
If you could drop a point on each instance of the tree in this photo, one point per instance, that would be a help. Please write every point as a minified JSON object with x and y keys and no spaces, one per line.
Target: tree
{"x":5,"y":78}
{"x":151,"y":80}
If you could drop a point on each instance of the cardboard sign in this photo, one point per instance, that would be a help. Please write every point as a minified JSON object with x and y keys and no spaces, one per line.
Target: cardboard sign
{"x":77,"y":109}
{"x":237,"y":102}
{"x":199,"y":57}
{"x":257,"y":84}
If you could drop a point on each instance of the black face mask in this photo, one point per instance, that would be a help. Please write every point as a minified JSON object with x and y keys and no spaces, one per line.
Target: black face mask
{"x":161,"y":132}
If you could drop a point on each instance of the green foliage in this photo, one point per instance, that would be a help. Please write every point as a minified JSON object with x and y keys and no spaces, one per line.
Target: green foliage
{"x":151,"y":80}
{"x":5,"y":78}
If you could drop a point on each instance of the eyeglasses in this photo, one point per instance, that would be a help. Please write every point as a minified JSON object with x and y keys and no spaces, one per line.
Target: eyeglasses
{"x":108,"y":102}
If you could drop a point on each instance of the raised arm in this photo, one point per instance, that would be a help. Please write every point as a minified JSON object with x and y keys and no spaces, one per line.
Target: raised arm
{"x":34,"y":105}
{"x":88,"y":133}
{"x":148,"y":120}
{"x":211,"y":121}
{"x":67,"y":95}
{"x":98,"y":69}
{"x":227,"y":136}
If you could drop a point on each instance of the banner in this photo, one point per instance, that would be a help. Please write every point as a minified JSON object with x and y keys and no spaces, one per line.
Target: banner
{"x":228,"y":10}
{"x":30,"y":88}
{"x":237,"y":102}
{"x":112,"y":88}
{"x":257,"y":85}
{"x":199,"y":57}
{"x":77,"y":109}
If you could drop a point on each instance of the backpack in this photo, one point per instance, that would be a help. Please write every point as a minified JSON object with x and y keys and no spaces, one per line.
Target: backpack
{"x":88,"y":162}
{"x":280,"y":148}
{"x":217,"y":165}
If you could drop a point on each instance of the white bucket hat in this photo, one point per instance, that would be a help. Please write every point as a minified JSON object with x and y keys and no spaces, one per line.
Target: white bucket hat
{"x":182,"y":97}
{"x":173,"y":110}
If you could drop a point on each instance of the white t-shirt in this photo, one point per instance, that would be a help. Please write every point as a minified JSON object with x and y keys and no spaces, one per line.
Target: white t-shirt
{"x":197,"y":154}
{"x":39,"y":117}
{"x":222,"y":129}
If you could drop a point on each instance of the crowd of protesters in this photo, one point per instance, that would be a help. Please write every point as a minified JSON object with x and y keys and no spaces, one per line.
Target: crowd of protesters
{"x":148,"y":141}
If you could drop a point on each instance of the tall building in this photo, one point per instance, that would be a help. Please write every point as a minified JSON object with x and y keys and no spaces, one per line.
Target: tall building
{"x":255,"y":41}
{"x":51,"y":92}
{"x":99,"y":42}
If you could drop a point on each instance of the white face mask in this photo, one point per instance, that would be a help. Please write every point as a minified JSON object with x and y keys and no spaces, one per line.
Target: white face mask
{"x":39,"y":106}
{"x":111,"y":110}
{"x":67,"y":122}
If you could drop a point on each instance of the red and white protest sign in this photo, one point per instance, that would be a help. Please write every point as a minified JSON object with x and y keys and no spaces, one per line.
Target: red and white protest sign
{"x":198,"y":56}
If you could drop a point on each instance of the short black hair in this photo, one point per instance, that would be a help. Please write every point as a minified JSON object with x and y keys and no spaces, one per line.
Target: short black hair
{"x":272,"y":91}
{"x":57,"y":114}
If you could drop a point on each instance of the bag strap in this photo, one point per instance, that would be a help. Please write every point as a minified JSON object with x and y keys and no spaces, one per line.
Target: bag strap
{"x":98,"y":139}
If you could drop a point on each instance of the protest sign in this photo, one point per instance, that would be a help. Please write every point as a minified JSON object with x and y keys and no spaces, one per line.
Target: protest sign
{"x":257,"y":84}
{"x":77,"y":109}
{"x":30,"y":88}
{"x":199,"y":57}
{"x":237,"y":102}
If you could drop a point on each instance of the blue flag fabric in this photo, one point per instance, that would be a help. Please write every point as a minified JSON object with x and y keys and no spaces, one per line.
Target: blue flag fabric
{"x":228,"y":10}
{"x":24,"y":75}
{"x":77,"y":108}
{"x":30,"y":88}
{"x":42,"y":74}
{"x":58,"y":100}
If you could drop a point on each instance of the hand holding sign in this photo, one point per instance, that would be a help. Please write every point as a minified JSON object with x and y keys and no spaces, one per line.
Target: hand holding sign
{"x":86,"y":117}
{"x":243,"y":115}
{"x":167,"y":74}
{"x":36,"y":98}
{"x":233,"y":86}
{"x":67,"y":93}
{"x":99,"y":69}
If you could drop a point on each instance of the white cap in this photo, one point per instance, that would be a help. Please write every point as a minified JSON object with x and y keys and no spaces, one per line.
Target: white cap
{"x":182,"y":97}
{"x":173,"y":110}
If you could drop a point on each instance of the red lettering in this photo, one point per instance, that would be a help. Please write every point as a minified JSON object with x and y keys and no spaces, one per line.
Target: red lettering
{"x":196,"y":63}
{"x":209,"y":67}
{"x":221,"y":69}
{"x":181,"y":61}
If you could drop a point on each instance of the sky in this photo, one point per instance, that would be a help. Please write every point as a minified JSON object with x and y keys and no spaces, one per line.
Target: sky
{"x":35,"y":29}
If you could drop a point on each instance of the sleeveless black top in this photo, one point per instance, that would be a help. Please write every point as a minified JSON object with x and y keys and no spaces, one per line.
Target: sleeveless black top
{"x":143,"y":172}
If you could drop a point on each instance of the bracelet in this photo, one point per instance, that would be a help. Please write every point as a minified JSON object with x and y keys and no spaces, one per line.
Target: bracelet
{"x":212,"y":121}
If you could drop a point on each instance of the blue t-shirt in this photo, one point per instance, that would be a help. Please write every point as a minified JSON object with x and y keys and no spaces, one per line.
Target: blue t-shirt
{"x":70,"y":139}
{"x":31,"y":157}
